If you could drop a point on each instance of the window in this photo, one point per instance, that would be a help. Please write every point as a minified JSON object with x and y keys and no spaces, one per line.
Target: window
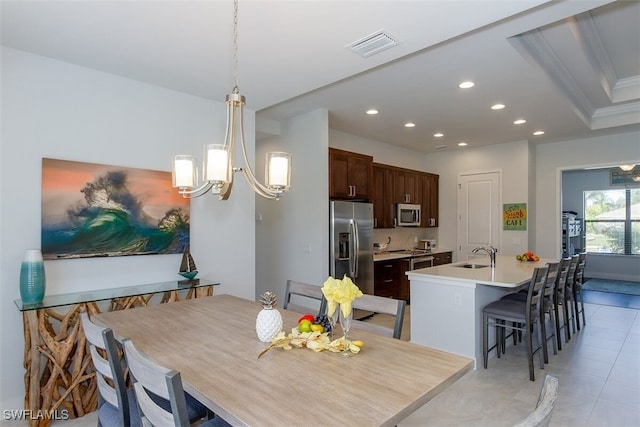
{"x":612,"y":221}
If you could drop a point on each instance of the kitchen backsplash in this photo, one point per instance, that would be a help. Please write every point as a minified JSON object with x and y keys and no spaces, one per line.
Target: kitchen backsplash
{"x":403,"y":237}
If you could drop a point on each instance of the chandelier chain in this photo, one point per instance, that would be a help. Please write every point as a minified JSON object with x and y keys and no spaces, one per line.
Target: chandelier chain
{"x":235,"y":46}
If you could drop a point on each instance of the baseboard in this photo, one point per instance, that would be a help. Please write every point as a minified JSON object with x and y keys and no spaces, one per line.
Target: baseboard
{"x":622,"y":277}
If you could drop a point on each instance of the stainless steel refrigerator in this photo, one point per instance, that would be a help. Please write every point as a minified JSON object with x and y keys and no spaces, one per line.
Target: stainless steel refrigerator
{"x":351,"y":243}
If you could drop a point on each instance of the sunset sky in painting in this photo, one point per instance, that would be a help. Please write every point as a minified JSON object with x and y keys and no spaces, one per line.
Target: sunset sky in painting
{"x":62,"y":181}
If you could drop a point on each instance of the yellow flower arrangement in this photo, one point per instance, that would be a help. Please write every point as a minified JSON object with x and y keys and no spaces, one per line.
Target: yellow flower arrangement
{"x":341,"y":292}
{"x":315,"y":341}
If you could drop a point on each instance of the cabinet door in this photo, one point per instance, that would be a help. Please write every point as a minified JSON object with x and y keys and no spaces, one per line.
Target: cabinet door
{"x":383,"y":190}
{"x":349,"y":175}
{"x":442,"y":258}
{"x":387,"y":278}
{"x":408,"y":186}
{"x":430,"y":200}
{"x":339,"y":174}
{"x":360,"y":175}
{"x":401,"y":187}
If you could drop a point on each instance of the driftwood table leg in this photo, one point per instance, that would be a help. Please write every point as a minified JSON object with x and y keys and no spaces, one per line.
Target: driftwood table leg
{"x":31,"y":363}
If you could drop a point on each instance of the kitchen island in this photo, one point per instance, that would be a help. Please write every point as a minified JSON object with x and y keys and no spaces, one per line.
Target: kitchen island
{"x":447,"y":301}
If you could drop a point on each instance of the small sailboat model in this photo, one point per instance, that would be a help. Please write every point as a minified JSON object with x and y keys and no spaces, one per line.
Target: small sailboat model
{"x":188,"y":268}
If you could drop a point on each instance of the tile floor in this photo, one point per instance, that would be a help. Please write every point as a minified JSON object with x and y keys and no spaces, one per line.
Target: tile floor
{"x":599,"y":372}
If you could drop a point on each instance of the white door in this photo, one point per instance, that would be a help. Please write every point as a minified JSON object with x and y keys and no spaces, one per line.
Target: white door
{"x":479,"y":213}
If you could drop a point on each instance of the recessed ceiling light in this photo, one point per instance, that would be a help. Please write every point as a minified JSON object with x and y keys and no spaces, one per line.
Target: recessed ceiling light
{"x":538,"y":132}
{"x":409,"y":125}
{"x":498,"y":106}
{"x":462,"y":144}
{"x":372,"y":111}
{"x":519,"y":122}
{"x":466,"y":85}
{"x":438,"y":135}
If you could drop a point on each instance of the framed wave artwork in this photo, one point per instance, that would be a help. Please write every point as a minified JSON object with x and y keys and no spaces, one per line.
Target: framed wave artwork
{"x":94,"y":210}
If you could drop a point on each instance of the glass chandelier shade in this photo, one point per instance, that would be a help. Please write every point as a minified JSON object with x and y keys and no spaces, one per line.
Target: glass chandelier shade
{"x":627,"y":168}
{"x":218,"y":169}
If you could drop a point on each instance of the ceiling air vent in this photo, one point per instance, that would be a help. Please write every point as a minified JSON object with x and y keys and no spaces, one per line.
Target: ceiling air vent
{"x":372,"y":44}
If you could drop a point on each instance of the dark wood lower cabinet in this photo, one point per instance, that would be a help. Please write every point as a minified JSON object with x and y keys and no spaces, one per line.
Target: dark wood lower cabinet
{"x":386,"y":281}
{"x":390,"y":279}
{"x":442,"y":258}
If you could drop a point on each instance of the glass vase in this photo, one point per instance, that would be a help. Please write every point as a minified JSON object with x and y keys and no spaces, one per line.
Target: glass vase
{"x":345,"y":323}
{"x":32,"y":277}
{"x":332,"y":317}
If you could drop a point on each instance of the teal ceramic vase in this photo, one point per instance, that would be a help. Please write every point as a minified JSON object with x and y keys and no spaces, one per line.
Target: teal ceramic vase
{"x":32,"y":278}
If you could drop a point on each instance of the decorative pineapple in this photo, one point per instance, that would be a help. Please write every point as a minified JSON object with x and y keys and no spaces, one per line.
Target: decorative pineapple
{"x":269,"y":320}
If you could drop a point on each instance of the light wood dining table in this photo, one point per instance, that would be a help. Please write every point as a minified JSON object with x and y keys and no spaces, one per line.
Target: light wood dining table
{"x":213,"y":344}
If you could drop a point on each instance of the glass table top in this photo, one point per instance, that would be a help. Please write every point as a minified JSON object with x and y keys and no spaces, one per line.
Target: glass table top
{"x":108,"y":294}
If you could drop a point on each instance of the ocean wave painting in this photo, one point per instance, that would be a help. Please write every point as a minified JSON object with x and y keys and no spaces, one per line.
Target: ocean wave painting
{"x":93,"y":210}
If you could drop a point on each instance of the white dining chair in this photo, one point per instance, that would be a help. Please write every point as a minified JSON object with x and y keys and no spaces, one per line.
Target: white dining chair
{"x":541,"y":415}
{"x":380,"y":305}
{"x":151,"y":380}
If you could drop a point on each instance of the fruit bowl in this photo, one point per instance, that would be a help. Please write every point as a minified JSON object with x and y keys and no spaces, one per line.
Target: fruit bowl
{"x":528,"y":257}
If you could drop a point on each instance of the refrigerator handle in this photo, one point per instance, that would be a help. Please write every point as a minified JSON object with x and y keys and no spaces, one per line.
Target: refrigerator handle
{"x":356,"y":249}
{"x":352,"y":248}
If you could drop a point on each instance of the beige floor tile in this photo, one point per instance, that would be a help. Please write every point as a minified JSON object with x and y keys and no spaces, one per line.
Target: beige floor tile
{"x":613,"y":414}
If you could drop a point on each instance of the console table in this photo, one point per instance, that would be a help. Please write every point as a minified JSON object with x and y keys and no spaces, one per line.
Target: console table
{"x":59,"y":371}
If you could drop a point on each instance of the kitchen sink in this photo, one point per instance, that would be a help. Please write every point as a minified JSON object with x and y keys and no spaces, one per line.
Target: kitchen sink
{"x":472,"y":265}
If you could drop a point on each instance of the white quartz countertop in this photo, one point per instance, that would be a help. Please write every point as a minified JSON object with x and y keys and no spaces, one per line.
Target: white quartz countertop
{"x":508,"y":273}
{"x":384,"y":256}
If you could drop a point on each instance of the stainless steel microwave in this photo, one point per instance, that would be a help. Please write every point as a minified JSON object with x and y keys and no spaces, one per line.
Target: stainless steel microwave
{"x":407,"y":215}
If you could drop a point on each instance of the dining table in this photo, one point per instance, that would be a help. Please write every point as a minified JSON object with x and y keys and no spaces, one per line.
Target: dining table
{"x":212,"y":342}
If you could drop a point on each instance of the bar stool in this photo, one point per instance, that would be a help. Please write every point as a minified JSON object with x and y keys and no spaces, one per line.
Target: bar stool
{"x":559,"y":299}
{"x":548,"y":308}
{"x":569,"y":296}
{"x":512,"y":315}
{"x":577,"y":289}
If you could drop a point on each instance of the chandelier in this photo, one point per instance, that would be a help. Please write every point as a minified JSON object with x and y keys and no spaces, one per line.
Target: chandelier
{"x":218,"y":169}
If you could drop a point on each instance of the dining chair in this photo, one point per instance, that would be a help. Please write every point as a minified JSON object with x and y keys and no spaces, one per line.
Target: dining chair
{"x":151,"y":379}
{"x":117,"y":404}
{"x":380,"y":305}
{"x":541,"y":415}
{"x":577,"y":289}
{"x":311,"y":294}
{"x":513,"y":315}
{"x":559,"y":303}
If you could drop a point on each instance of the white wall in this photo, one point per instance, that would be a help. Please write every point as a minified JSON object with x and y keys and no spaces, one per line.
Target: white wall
{"x":602,"y":266}
{"x":381,"y":152}
{"x":292,"y":235}
{"x":511,"y":159}
{"x":58,"y":110}
{"x":553,"y":158}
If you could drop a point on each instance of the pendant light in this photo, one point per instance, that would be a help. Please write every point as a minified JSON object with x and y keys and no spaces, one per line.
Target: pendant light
{"x":218,"y":169}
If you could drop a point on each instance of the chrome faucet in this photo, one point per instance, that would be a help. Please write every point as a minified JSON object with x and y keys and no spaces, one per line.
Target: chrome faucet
{"x":490,"y":250}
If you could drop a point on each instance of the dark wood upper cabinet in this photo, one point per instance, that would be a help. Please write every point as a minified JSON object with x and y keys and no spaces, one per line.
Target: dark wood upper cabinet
{"x":430,"y":199}
{"x":350,"y":175}
{"x":408,"y":186}
{"x":355,"y":176}
{"x":383,"y":195}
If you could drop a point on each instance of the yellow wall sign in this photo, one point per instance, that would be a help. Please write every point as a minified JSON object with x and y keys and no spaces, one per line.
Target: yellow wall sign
{"x":514,"y":216}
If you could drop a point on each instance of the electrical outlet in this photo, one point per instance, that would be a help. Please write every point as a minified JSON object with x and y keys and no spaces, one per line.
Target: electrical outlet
{"x":457,"y":299}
